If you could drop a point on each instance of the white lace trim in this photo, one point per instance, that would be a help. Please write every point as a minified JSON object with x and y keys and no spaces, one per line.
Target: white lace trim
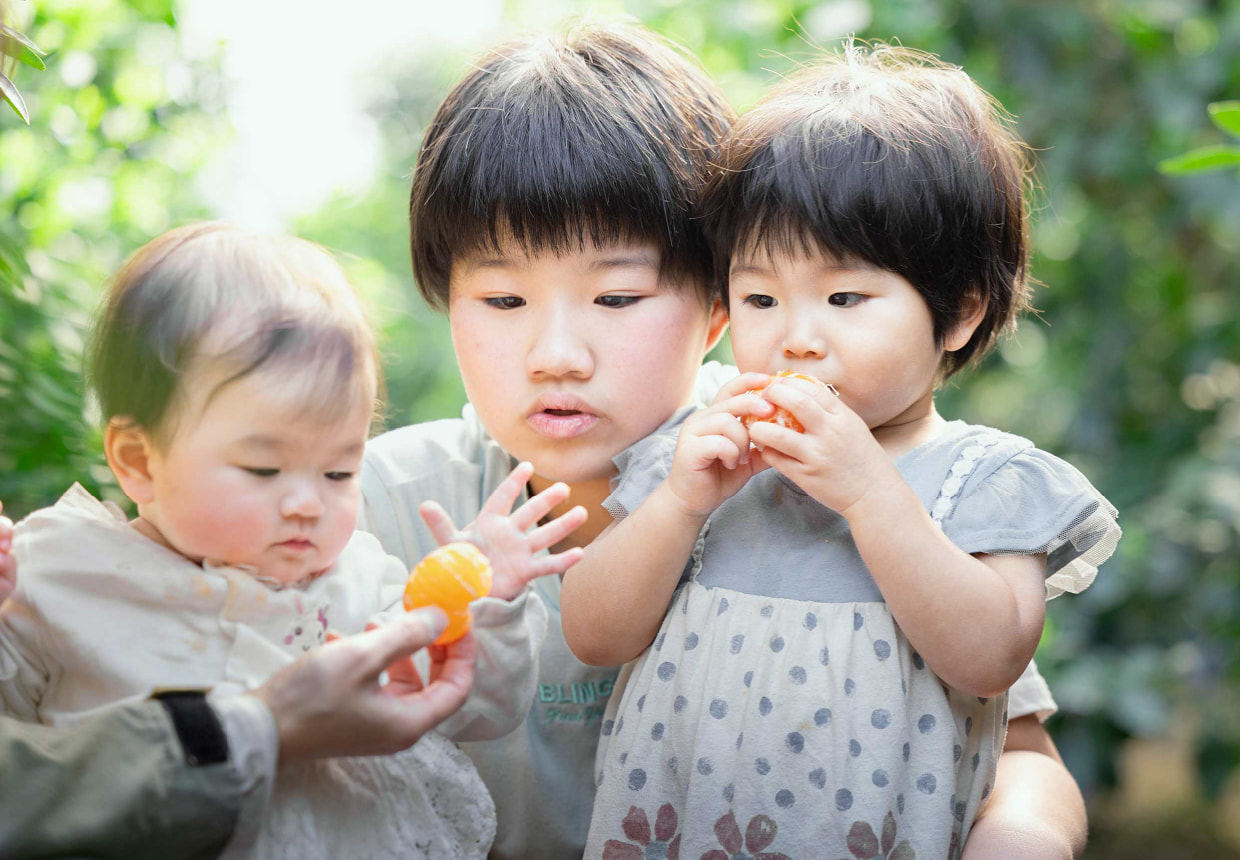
{"x":960,"y":471}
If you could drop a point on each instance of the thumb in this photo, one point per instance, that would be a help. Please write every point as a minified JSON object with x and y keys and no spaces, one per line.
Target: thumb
{"x":402,"y":636}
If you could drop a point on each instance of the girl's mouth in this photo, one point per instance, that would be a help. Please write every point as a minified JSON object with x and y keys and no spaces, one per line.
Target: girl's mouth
{"x":561,"y":423}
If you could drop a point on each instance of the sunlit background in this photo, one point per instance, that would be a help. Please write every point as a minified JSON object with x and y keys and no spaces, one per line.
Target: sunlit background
{"x":307,"y":116}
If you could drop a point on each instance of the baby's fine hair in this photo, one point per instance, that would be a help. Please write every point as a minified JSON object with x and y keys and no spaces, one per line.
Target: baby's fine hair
{"x":887,"y":156}
{"x":213,"y":297}
{"x":601,"y":133}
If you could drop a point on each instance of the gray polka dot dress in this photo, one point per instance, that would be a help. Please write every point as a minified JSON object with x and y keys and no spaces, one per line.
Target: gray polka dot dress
{"x":780,"y":712}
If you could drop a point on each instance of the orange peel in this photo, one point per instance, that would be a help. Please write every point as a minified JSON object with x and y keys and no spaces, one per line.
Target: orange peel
{"x":782,"y":416}
{"x":451,"y":578}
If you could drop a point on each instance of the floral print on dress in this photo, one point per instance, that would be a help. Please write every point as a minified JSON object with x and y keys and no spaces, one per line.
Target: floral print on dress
{"x":759,"y":834}
{"x":864,"y":844}
{"x":665,"y":844}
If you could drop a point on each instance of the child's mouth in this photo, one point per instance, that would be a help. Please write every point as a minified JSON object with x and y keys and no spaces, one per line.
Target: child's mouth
{"x":561,"y":423}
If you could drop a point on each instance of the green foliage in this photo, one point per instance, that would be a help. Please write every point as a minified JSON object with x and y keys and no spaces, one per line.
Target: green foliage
{"x":1226,"y":115}
{"x":121,"y":124}
{"x":15,"y":45}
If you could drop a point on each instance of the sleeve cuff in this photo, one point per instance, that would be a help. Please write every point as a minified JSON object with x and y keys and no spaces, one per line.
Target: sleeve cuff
{"x":252,"y":739}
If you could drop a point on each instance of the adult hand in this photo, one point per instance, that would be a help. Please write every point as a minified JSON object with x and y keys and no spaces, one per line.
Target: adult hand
{"x":8,"y":563}
{"x":330,"y":702}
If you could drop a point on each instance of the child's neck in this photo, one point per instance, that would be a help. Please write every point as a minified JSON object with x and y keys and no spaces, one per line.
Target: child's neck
{"x":590,"y":495}
{"x":914,"y":427}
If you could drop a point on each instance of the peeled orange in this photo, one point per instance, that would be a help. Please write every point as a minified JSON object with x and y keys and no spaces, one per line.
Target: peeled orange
{"x":782,"y":416}
{"x":450,"y":578}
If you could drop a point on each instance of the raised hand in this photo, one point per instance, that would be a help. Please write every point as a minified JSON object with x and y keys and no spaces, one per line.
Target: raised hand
{"x":8,"y":563}
{"x":509,"y":540}
{"x":713,"y":458}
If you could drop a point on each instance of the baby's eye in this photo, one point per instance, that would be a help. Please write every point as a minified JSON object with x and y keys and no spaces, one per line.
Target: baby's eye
{"x":339,"y":476}
{"x":611,"y":301}
{"x":758,"y":300}
{"x":261,"y":472}
{"x":506,"y":303}
{"x":845,"y":300}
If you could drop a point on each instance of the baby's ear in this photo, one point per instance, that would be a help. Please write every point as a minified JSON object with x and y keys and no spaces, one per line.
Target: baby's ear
{"x":972,"y":311}
{"x":129,"y":451}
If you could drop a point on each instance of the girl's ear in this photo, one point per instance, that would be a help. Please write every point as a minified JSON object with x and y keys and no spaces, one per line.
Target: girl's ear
{"x":972,"y":312}
{"x":129,"y":451}
{"x":718,"y":325}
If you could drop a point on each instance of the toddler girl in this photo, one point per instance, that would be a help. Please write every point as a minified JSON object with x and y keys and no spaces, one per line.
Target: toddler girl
{"x":238,"y":380}
{"x":828,"y":679}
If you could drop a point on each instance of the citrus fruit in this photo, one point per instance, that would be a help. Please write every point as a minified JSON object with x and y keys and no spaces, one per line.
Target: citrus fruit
{"x":450,"y":578}
{"x":782,"y":416}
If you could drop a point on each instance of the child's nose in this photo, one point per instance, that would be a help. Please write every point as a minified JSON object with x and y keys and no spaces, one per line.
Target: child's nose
{"x":302,"y":500}
{"x":804,"y":340}
{"x":559,"y":349}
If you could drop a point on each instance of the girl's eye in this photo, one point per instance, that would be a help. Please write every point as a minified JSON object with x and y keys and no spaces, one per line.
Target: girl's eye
{"x":506,"y":303}
{"x":611,"y":301}
{"x":261,"y":473}
{"x":844,"y":300}
{"x":758,"y":300}
{"x":339,"y":476}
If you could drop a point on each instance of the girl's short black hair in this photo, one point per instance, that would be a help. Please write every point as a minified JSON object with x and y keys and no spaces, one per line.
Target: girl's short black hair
{"x":884,"y":155}
{"x":604,"y":132}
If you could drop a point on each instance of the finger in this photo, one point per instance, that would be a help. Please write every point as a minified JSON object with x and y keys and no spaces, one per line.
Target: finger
{"x":742,"y":383}
{"x":539,"y":506}
{"x":438,"y":521}
{"x":557,"y":563}
{"x":404,"y":675}
{"x":444,"y":658}
{"x":725,"y":424}
{"x":709,"y":450}
{"x":6,"y":534}
{"x":558,"y":529}
{"x":804,"y":407}
{"x":423,"y":710}
{"x":782,"y":440}
{"x":401,"y":637}
{"x":509,"y":490}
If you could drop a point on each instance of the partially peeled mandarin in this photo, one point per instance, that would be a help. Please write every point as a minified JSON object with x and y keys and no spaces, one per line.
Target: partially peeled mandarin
{"x":782,"y":416}
{"x":451,"y":578}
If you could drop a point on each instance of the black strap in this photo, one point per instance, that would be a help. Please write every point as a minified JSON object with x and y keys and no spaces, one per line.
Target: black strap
{"x":197,"y":726}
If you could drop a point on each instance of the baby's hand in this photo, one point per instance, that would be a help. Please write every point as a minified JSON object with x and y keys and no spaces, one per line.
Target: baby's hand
{"x":713,"y":459}
{"x":837,"y":459}
{"x":8,"y":563}
{"x":509,"y":541}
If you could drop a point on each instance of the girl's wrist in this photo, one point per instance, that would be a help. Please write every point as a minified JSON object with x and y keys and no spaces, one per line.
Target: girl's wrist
{"x":671,"y":503}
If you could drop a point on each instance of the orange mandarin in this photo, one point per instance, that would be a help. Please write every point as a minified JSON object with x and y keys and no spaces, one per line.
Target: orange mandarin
{"x":450,"y":578}
{"x":782,"y":416}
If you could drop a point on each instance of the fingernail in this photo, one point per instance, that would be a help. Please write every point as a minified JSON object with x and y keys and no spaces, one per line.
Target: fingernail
{"x":434,"y":617}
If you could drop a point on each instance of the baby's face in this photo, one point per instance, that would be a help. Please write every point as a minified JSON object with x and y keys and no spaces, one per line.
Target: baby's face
{"x":244,"y":482}
{"x":866,"y":331}
{"x":570,"y":358}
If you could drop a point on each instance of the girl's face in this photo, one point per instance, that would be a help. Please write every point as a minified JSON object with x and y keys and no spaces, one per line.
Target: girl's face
{"x":569,"y":359}
{"x":866,"y":331}
{"x":243,"y":482}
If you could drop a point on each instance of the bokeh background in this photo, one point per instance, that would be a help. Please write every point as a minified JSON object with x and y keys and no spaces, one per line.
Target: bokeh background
{"x":307,"y":116}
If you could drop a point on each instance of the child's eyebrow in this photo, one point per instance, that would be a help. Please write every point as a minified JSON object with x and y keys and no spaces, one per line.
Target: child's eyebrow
{"x":618,"y":261}
{"x":275,"y":443}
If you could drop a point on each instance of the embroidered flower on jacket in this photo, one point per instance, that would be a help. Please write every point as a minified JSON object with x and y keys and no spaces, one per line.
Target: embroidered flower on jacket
{"x":665,"y":844}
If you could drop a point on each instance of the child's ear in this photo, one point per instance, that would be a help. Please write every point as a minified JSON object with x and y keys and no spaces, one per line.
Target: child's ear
{"x":718,"y":325}
{"x":972,"y":312}
{"x":129,"y":451}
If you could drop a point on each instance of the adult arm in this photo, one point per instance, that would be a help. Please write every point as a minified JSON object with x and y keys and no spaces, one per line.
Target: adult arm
{"x":123,"y":783}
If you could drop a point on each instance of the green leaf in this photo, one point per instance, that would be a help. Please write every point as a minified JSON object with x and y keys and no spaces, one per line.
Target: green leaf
{"x":15,"y":44}
{"x":9,"y":91}
{"x":1226,"y":115}
{"x":1201,"y":160}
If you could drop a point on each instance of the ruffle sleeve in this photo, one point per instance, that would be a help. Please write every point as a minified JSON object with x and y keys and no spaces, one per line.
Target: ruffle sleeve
{"x":1026,"y":501}
{"x":641,"y":468}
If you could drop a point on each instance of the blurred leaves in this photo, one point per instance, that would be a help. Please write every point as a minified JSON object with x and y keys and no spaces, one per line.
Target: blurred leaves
{"x":1226,"y":115}
{"x":16,"y":45}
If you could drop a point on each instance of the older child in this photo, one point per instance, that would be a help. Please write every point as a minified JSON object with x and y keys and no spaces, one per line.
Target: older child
{"x":238,"y":379}
{"x":579,"y":330}
{"x":821,"y":651}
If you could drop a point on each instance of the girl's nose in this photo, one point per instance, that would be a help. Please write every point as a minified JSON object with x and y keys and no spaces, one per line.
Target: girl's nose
{"x":302,"y":501}
{"x":559,"y":349}
{"x":804,"y":340}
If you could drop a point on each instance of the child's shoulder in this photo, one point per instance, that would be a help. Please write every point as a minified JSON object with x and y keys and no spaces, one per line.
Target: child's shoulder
{"x":432,"y":446}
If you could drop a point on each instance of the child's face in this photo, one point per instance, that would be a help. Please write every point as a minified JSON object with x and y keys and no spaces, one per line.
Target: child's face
{"x":243,"y":482}
{"x":866,"y":331}
{"x":571,"y":358}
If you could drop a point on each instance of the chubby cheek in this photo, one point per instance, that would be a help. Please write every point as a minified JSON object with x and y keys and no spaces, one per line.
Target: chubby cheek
{"x":231,"y":531}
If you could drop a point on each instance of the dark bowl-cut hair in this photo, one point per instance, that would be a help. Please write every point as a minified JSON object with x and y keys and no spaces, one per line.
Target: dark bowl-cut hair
{"x":886,"y":156}
{"x":216,"y":303}
{"x":602,"y":133}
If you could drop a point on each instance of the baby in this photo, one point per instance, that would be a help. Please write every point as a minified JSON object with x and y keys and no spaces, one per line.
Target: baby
{"x":238,"y":379}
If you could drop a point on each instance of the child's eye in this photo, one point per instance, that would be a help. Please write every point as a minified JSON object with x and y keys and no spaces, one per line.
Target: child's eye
{"x":339,"y":476}
{"x":758,"y":300}
{"x":610,"y":301}
{"x":261,"y":473}
{"x":844,"y":300}
{"x":506,"y":303}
